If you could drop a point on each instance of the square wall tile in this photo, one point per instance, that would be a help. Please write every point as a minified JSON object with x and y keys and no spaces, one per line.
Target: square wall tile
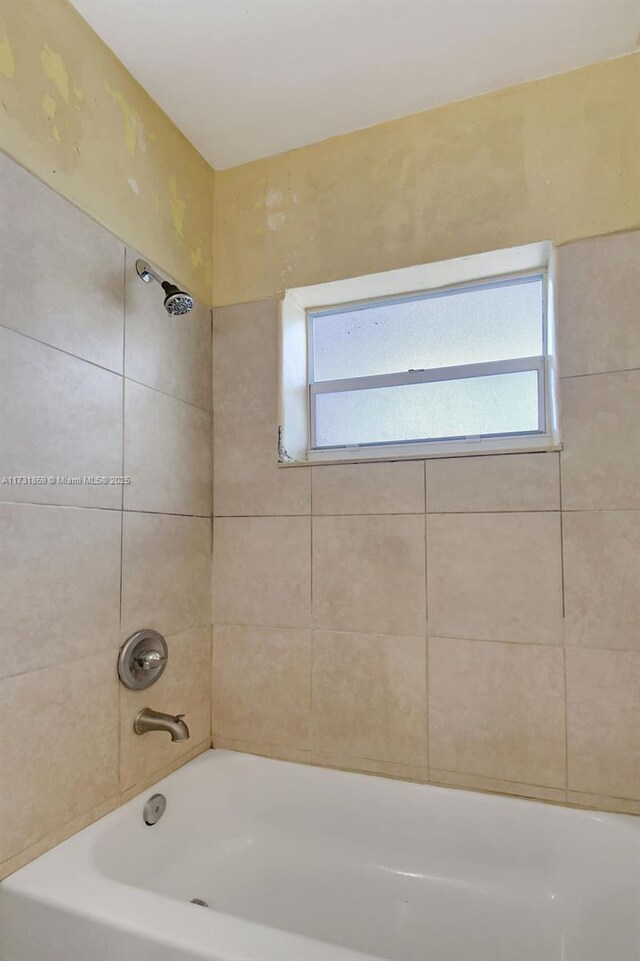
{"x":601,"y":433}
{"x":167,"y":453}
{"x":61,"y":273}
{"x":172,"y":354}
{"x":246,"y":477}
{"x":369,"y":697}
{"x":184,"y":688}
{"x":166,"y":573}
{"x":60,"y":576}
{"x":495,"y":576}
{"x":601,"y":577}
{"x":245,"y":355}
{"x":497,"y":710}
{"x":603,"y":718}
{"x":59,"y":767}
{"x":262,"y":571}
{"x":262,"y":685}
{"x":368,"y":574}
{"x":599,"y":304}
{"x":60,"y":417}
{"x":395,"y":487}
{"x":506,"y":482}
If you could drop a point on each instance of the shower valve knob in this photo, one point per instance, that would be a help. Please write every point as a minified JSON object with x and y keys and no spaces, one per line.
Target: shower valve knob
{"x":142,"y":659}
{"x":149,"y":660}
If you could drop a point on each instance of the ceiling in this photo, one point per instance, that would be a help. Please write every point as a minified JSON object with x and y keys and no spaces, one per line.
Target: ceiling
{"x":245,"y":79}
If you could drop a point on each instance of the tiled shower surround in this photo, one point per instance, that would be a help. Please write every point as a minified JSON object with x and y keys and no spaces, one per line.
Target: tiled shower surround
{"x":95,"y":379}
{"x":469,"y":621}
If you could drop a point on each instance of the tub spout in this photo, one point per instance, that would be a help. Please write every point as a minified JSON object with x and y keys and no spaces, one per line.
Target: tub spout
{"x":148,"y":720}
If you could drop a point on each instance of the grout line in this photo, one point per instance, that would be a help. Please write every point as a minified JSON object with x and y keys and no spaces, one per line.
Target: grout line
{"x":71,"y":659}
{"x":564,"y":614}
{"x":61,"y":350}
{"x":108,"y":370}
{"x":121,"y":570}
{"x":124,"y":335}
{"x":551,"y":510}
{"x":498,"y":780}
{"x":600,"y":373}
{"x":311,"y":568}
{"x":566,"y":724}
{"x":494,"y":640}
{"x":424,"y":482}
{"x":374,"y":760}
{"x":311,"y":546}
{"x":222,"y":517}
{"x":212,"y":484}
{"x":311,"y":671}
{"x":433,"y":635}
{"x":211,"y":685}
{"x":113,"y":510}
{"x":426,"y":623}
{"x":180,"y":400}
{"x":562,"y":584}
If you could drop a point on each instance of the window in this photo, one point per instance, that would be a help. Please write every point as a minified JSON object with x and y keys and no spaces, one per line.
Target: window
{"x":464,"y":362}
{"x":454,"y":368}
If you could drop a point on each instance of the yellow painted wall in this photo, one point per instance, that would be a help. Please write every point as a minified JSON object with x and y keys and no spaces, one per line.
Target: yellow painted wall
{"x":72,"y":114}
{"x":554,"y":159}
{"x":557,"y":158}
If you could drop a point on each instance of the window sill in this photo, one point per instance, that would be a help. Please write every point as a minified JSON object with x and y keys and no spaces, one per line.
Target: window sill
{"x":425,"y":451}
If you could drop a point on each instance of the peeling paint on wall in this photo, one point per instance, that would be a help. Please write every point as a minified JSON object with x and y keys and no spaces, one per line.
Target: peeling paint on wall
{"x":178,"y":207}
{"x":196,"y":257}
{"x":275,"y":221}
{"x":48,"y":106}
{"x":77,"y":119}
{"x":131,"y":123}
{"x":274,"y":198}
{"x":54,"y":68}
{"x":557,"y":159}
{"x":7,"y":62}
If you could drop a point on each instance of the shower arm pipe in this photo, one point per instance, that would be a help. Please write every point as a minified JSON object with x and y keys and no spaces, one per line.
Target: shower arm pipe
{"x":147,"y":273}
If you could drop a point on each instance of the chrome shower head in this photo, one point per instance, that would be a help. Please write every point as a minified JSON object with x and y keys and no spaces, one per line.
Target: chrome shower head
{"x":176,"y":301}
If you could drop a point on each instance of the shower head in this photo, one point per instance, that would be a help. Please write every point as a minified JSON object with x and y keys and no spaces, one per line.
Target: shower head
{"x":176,"y":301}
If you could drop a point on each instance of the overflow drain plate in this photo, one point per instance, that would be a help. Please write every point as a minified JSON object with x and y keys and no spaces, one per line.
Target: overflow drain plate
{"x":154,"y":809}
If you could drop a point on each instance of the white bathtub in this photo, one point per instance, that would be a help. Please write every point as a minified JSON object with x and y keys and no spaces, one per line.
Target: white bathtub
{"x":303,"y":864}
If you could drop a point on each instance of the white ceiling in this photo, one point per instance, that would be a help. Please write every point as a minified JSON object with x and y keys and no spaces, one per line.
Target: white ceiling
{"x":245,"y":79}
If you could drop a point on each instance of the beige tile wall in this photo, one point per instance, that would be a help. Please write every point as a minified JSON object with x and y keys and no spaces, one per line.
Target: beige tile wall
{"x":514,"y":664}
{"x":78,"y":573}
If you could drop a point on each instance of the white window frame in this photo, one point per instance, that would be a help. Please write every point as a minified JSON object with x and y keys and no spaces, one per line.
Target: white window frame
{"x":297,"y":393}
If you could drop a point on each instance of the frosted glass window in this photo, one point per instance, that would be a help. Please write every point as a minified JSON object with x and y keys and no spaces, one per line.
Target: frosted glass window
{"x":499,"y":404}
{"x":470,"y":325}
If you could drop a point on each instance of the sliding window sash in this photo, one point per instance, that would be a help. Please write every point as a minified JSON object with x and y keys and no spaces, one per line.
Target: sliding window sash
{"x":429,"y":375}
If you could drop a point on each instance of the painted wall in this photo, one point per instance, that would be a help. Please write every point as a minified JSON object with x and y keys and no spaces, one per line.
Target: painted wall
{"x":73,"y":115}
{"x":554,"y":159}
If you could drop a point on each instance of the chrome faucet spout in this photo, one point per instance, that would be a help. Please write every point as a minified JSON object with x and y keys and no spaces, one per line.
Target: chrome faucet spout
{"x":148,"y":720}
